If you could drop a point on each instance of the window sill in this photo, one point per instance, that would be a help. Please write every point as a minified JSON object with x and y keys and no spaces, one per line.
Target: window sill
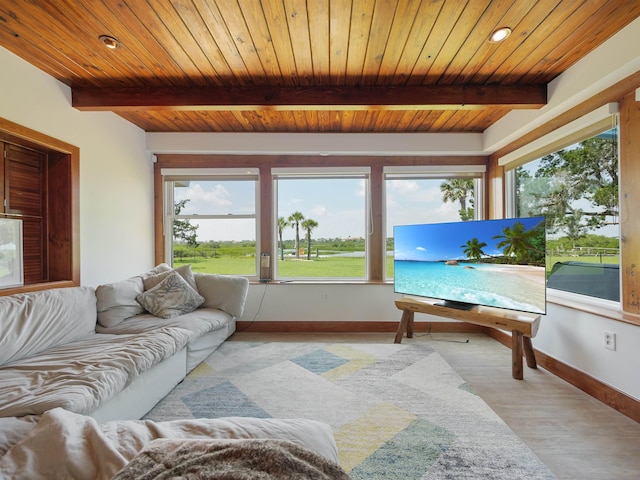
{"x":596,"y":306}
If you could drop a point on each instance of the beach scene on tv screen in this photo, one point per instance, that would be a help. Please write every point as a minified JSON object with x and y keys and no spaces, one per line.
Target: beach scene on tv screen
{"x":499,"y":263}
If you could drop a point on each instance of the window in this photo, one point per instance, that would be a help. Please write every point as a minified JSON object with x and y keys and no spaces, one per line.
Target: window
{"x":212,"y":221}
{"x":429,"y":196}
{"x":321,"y":223}
{"x":576,"y":188}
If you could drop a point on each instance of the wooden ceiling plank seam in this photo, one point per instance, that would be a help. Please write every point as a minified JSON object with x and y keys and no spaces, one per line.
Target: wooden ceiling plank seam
{"x":235,"y":23}
{"x":64,"y":31}
{"x":221,"y":121}
{"x":310,"y":120}
{"x":384,"y":14}
{"x":513,"y":16}
{"x":464,"y":26}
{"x":504,"y":51}
{"x":83,"y":31}
{"x":220,"y":33}
{"x":300,"y":121}
{"x":228,"y":119}
{"x":403,"y":22}
{"x":199,"y":121}
{"x":447,"y":18}
{"x":32,"y":54}
{"x":530,"y":52}
{"x":423,"y":120}
{"x":477,"y":40}
{"x":402,"y":120}
{"x":133,"y":55}
{"x":335,"y":121}
{"x":339,"y":34}
{"x":597,"y":28}
{"x":277,"y":24}
{"x":358,"y":38}
{"x":28,"y":27}
{"x":319,"y":41}
{"x":153,"y":25}
{"x":199,"y":31}
{"x":185,"y":44}
{"x":538,"y":63}
{"x":418,"y":37}
{"x":347,"y":118}
{"x":142,"y":62}
{"x":135,"y":35}
{"x":297,"y":21}
{"x":257,"y":27}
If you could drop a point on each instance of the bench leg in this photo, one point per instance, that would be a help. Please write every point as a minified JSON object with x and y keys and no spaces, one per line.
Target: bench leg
{"x":516,"y":355}
{"x":406,"y":324}
{"x":529,"y":353}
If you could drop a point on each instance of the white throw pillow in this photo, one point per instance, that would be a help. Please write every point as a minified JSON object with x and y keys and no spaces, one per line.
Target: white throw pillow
{"x":117,"y":301}
{"x":171,"y":297}
{"x":184,"y":271}
{"x":226,"y":292}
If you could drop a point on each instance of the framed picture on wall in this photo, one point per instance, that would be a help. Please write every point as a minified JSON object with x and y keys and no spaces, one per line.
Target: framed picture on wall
{"x":11,"y":273}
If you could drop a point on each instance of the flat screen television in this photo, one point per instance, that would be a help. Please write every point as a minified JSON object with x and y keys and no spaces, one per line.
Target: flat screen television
{"x":496,"y":263}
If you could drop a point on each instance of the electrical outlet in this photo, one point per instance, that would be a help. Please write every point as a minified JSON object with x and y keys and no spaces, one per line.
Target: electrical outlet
{"x":610,"y":340}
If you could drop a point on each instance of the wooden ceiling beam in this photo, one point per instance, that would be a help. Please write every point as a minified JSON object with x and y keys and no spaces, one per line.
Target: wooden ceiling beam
{"x":437,"y":97}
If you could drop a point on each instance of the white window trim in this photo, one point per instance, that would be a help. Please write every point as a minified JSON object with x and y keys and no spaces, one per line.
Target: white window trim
{"x":171,"y":175}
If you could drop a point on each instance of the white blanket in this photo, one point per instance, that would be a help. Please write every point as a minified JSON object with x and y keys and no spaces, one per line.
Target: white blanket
{"x":65,"y":445}
{"x":82,"y":375}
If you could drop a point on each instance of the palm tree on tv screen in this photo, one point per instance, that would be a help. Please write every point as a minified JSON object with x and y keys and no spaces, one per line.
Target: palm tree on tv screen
{"x":473,"y":248}
{"x":517,"y":243}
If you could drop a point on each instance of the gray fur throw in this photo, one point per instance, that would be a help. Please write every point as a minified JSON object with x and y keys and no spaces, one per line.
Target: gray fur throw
{"x":247,"y":459}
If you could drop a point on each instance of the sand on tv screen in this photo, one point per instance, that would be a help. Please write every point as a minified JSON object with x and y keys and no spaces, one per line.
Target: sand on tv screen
{"x":497,"y":263}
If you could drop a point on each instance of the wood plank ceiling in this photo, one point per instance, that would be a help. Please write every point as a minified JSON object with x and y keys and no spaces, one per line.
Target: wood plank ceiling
{"x":309,"y":65}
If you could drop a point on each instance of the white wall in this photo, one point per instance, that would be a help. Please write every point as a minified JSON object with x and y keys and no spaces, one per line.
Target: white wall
{"x":116,"y":180}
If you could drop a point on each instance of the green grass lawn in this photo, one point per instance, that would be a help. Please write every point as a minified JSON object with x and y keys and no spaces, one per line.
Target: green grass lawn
{"x":325,"y":267}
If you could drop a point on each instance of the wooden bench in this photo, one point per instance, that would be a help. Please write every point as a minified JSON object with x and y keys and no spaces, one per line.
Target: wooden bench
{"x":523,"y":326}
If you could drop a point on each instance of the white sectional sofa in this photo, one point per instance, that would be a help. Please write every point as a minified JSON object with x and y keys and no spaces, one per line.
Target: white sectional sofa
{"x":80,"y":366}
{"x":100,"y":353}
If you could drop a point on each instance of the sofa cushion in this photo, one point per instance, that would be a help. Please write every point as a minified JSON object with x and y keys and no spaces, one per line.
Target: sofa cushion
{"x":117,"y":301}
{"x":184,"y":271}
{"x":226,"y":292}
{"x":33,"y":322}
{"x":171,"y":297}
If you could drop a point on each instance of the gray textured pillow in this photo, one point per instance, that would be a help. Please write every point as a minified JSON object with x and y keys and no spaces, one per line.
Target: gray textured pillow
{"x":171,"y":297}
{"x":184,"y":271}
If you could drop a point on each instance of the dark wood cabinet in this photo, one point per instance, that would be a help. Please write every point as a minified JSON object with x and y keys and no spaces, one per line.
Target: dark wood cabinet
{"x":39,"y":184}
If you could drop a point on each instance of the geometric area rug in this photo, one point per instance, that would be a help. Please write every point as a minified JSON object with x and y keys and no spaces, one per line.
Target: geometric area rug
{"x":398,"y":411}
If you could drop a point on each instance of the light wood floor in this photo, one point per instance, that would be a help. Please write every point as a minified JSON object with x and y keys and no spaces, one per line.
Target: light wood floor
{"x":576,"y":436}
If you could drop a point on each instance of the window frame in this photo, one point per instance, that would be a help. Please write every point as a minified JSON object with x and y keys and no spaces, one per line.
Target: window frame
{"x":585,"y":127}
{"x":477,"y":173}
{"x":170,"y":176}
{"x":347,"y":172}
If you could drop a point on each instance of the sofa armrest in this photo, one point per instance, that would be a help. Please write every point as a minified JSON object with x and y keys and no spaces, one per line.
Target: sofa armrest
{"x":225,"y":292}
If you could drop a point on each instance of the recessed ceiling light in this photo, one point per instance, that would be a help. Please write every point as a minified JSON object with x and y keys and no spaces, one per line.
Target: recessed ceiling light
{"x":500,"y":34}
{"x":109,"y":41}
